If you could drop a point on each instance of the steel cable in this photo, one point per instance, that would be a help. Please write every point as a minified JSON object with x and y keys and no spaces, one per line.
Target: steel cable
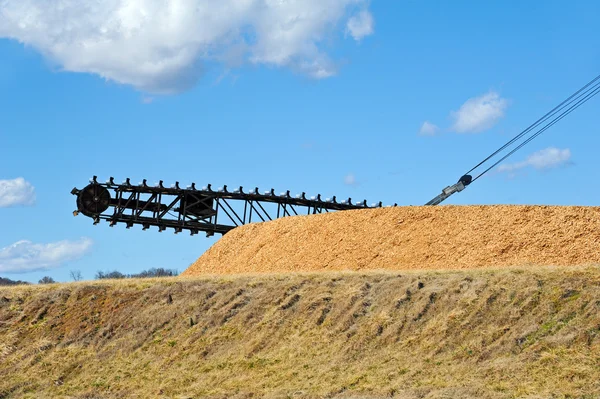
{"x":559,"y":108}
{"x":536,"y":123}
{"x":578,"y":101}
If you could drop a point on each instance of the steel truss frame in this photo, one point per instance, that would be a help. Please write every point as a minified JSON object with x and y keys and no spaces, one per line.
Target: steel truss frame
{"x":207,"y":210}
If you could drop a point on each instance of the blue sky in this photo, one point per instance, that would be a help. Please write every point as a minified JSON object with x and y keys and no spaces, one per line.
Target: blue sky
{"x":336,"y":105}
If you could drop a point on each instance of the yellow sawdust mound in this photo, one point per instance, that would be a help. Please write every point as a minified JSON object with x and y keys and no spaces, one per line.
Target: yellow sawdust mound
{"x":443,"y":237}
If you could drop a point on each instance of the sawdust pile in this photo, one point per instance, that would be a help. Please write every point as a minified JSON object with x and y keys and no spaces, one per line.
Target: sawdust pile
{"x":443,"y":237}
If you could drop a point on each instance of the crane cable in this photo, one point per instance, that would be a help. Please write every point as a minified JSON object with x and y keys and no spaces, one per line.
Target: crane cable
{"x":542,"y":130}
{"x":573,"y":102}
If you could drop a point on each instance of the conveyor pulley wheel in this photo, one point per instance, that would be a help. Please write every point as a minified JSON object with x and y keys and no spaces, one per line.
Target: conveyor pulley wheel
{"x":93,"y":200}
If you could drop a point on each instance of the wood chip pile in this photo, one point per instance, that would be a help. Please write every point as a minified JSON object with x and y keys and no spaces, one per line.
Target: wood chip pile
{"x":402,"y":238}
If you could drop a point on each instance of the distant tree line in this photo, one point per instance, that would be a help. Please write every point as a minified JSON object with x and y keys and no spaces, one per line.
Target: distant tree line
{"x":7,"y":281}
{"x":154,"y":272}
{"x":76,"y":276}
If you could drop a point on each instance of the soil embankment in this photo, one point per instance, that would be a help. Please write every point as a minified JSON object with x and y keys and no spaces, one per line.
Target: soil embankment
{"x":403,"y":238}
{"x":532,"y":333}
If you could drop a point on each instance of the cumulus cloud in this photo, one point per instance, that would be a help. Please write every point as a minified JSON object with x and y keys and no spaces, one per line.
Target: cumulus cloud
{"x":16,"y":192}
{"x":361,"y":25}
{"x":25,"y":256}
{"x":350,"y":180}
{"x":428,"y":129}
{"x":545,"y":159}
{"x":162,"y":46}
{"x":479,"y":113}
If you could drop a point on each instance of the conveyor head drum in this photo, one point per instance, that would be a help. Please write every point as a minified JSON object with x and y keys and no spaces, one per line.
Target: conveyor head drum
{"x":93,"y":200}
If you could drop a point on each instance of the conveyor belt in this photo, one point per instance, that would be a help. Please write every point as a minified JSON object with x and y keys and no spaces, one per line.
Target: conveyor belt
{"x":193,"y":209}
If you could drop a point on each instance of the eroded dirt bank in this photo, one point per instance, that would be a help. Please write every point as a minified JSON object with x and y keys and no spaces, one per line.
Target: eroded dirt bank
{"x":470,"y":334}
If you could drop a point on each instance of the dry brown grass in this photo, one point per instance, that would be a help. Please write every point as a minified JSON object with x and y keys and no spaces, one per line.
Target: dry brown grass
{"x":531,"y":333}
{"x":401,"y":238}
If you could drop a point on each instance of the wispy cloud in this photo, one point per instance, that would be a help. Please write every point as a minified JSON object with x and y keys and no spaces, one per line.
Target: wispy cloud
{"x":350,"y":180}
{"x":476,"y":115}
{"x":479,"y":113}
{"x":222,"y":76}
{"x":428,"y":129}
{"x":361,"y":25}
{"x":163,"y":47}
{"x":16,"y":192}
{"x":545,"y":159}
{"x":308,"y":145}
{"x":26,"y":256}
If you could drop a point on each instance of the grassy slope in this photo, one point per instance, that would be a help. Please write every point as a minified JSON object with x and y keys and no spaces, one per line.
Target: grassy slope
{"x":497,"y":334}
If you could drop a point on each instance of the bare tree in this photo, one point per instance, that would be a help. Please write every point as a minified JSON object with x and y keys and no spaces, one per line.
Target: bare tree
{"x":76,"y":275}
{"x":47,"y":280}
{"x":110,"y":275}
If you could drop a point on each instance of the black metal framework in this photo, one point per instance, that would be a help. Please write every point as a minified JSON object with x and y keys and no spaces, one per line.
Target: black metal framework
{"x":207,"y":210}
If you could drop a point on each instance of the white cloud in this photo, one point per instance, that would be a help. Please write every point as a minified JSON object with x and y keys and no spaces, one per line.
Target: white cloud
{"x":16,"y":192}
{"x":361,"y":25}
{"x":428,"y":129}
{"x":162,"y":46}
{"x":545,"y":159}
{"x":25,"y":256}
{"x":350,"y":180}
{"x":479,"y":113}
